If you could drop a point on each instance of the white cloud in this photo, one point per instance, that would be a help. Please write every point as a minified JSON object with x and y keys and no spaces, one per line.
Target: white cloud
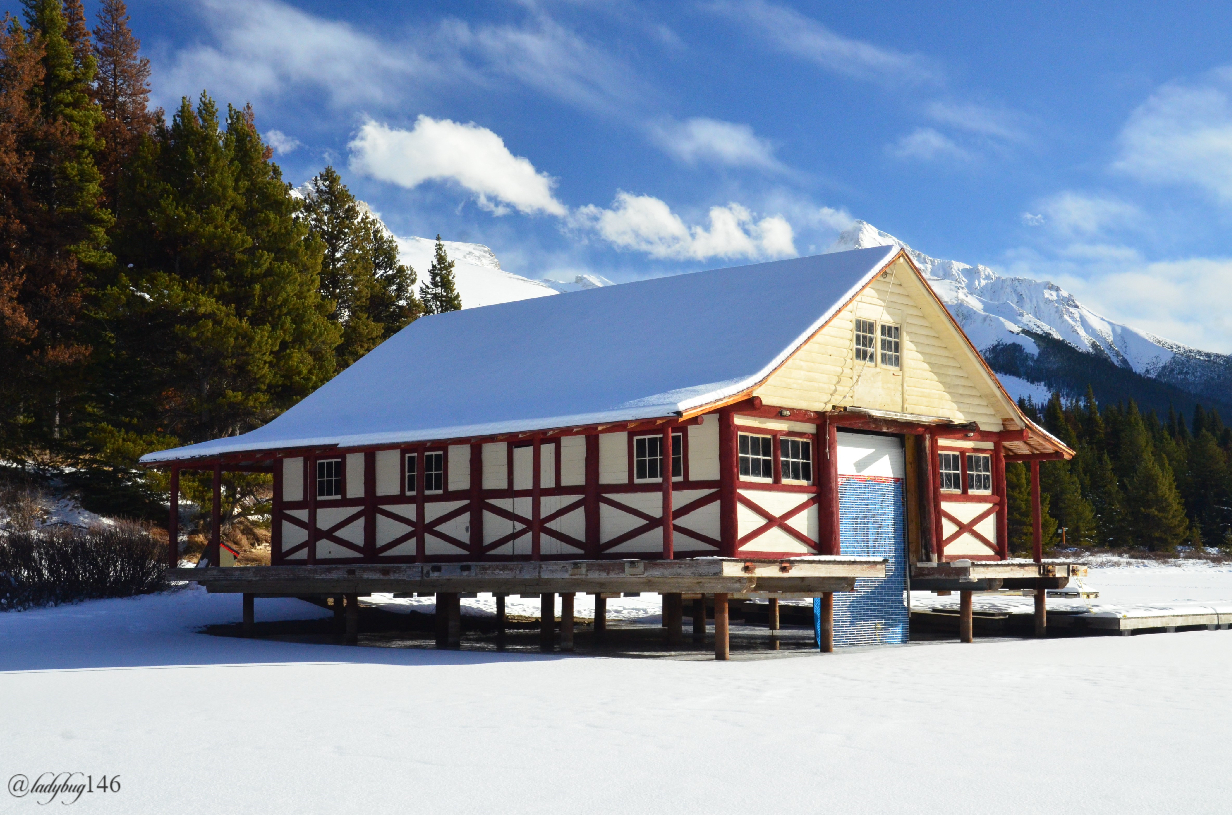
{"x":805,"y":38}
{"x":1074,"y":213}
{"x":979,"y":119}
{"x":702,"y":140}
{"x":646,"y":224}
{"x":1032,"y":220}
{"x":836,"y":219}
{"x":281,"y":142}
{"x":443,"y":150}
{"x":927,"y":144}
{"x":1183,"y":135}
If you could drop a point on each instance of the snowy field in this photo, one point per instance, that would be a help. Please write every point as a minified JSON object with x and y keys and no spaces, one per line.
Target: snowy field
{"x":193,"y":723}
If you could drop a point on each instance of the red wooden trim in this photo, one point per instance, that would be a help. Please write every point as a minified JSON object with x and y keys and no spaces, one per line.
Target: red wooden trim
{"x":1034,"y":457}
{"x":998,"y":486}
{"x":767,"y":486}
{"x":1037,"y":521}
{"x":592,"y":495}
{"x":934,"y":466}
{"x":728,"y":482}
{"x":924,"y":498}
{"x":665,"y":470}
{"x":294,"y":549}
{"x":831,"y":532}
{"x":421,"y":541}
{"x":370,"y":505}
{"x":216,"y":516}
{"x":535,"y":503}
{"x":776,"y":412}
{"x":509,"y":466}
{"x":476,"y":498}
{"x":173,"y":520}
{"x":968,"y":527}
{"x":556,"y":463}
{"x":962,"y":472}
{"x":276,"y":518}
{"x":773,"y":521}
{"x":969,"y":498}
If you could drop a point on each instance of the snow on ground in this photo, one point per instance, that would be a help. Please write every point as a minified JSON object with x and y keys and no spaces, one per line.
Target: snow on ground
{"x":1018,"y":388}
{"x":194,"y":723}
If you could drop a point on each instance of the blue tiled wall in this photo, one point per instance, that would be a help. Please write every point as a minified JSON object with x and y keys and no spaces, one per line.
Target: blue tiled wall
{"x":871,"y":524}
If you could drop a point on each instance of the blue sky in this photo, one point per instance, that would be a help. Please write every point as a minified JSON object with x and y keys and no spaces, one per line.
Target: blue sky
{"x":1089,"y":144}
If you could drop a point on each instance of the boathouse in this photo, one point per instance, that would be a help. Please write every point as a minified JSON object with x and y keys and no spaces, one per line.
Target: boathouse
{"x":811,"y":427}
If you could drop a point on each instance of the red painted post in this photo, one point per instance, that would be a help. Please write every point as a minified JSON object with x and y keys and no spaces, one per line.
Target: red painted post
{"x":421,"y":533}
{"x":536,"y":514}
{"x":276,"y":516}
{"x":1037,"y":528}
{"x":998,"y":486}
{"x":928,"y":526}
{"x":216,"y":517}
{"x":566,"y":621}
{"x":729,"y":475}
{"x":831,"y":535}
{"x":965,"y":628}
{"x":476,"y":500}
{"x":934,"y":460}
{"x":722,"y":642}
{"x":173,"y":520}
{"x":669,"y":550}
{"x":591,"y":507}
{"x":370,"y":505}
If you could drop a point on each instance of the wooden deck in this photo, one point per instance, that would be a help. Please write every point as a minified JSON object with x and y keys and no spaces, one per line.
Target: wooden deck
{"x":990,"y":575}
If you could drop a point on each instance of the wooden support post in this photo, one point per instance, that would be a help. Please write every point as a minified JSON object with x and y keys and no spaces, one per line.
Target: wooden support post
{"x":547,"y":621}
{"x":826,"y":644}
{"x":1041,"y":613}
{"x":566,"y":621}
{"x":442,"y":619}
{"x":421,"y":529}
{"x":476,"y":539}
{"x":352,"y":619}
{"x":250,"y":615}
{"x":669,"y":549}
{"x":501,"y":620}
{"x":339,"y":620}
{"x":673,"y":618}
{"x":370,"y":505}
{"x":827,"y":489}
{"x":934,"y":462}
{"x":215,"y":553}
{"x":998,"y":487}
{"x":928,"y":528}
{"x":173,"y":520}
{"x":722,"y":642}
{"x":453,"y":622}
{"x":774,"y":614}
{"x":964,"y":616}
{"x":310,"y":483}
{"x":728,"y":481}
{"x":592,"y":496}
{"x":276,"y":516}
{"x":600,"y":617}
{"x":536,"y":515}
{"x":699,"y":619}
{"x":1037,"y":527}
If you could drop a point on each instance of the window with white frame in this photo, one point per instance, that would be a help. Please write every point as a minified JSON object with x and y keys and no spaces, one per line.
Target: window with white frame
{"x":796,"y":459}
{"x":890,"y":357}
{"x":434,"y":472}
{"x":412,"y":471}
{"x":329,"y":478}
{"x":979,"y":473}
{"x":951,"y":472}
{"x":866,"y":340}
{"x":648,"y":457}
{"x":756,"y":456}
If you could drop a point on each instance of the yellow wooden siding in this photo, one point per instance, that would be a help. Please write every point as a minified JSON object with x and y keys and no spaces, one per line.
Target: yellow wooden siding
{"x":939,"y":374}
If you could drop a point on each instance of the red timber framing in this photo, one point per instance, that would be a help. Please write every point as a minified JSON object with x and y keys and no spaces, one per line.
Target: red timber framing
{"x":424,"y":532}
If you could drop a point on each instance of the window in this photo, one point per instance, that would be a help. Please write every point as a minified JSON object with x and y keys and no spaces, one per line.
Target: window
{"x":648,"y":457}
{"x":329,"y":478}
{"x":889,"y":345}
{"x":756,"y":456}
{"x":866,"y":332}
{"x":434,"y":472}
{"x":412,"y":468}
{"x":951,"y":472}
{"x":979,"y":473}
{"x":796,"y":456}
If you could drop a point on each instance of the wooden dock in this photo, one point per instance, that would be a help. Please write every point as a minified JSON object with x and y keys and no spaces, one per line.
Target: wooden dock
{"x":1104,"y":621}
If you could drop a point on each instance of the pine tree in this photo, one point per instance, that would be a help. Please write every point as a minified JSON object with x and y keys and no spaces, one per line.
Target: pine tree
{"x":1154,"y":513}
{"x":361,"y":275}
{"x":1018,"y":499}
{"x":1106,"y":499}
{"x":1209,"y":500}
{"x":439,"y":293}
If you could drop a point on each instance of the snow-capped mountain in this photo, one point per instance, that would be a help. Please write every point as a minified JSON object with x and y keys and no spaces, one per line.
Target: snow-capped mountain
{"x":476,"y":271}
{"x":998,"y":311}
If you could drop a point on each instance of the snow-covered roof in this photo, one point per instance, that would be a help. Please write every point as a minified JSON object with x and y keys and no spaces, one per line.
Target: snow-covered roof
{"x":640,"y":350}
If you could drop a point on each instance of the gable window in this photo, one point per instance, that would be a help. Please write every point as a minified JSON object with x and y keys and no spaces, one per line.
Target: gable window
{"x":951,"y":472}
{"x":434,"y":472}
{"x":648,"y":457}
{"x":329,"y":478}
{"x":412,"y":470}
{"x":796,"y":459}
{"x":866,"y":338}
{"x":889,"y":346}
{"x":979,"y":473}
{"x":756,"y":456}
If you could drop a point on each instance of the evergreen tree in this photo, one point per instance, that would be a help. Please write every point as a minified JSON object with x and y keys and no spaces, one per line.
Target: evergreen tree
{"x":1106,"y":499}
{"x":1209,"y":500}
{"x":1154,"y":513}
{"x":439,"y":293}
{"x":373,"y":293}
{"x":1018,"y":507}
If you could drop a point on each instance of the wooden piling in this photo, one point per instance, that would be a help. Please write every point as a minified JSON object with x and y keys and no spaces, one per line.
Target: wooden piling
{"x":442,"y":619}
{"x":964,"y":616}
{"x":352,"y":619}
{"x":566,"y":621}
{"x":249,"y":615}
{"x":774,"y":614}
{"x":722,"y":643}
{"x":673,"y":618}
{"x":826,"y":644}
{"x":501,"y":621}
{"x":453,"y":630}
{"x":600,"y":617}
{"x":1041,"y":613}
{"x":339,"y":623}
{"x":699,"y":619}
{"x":547,"y":621}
